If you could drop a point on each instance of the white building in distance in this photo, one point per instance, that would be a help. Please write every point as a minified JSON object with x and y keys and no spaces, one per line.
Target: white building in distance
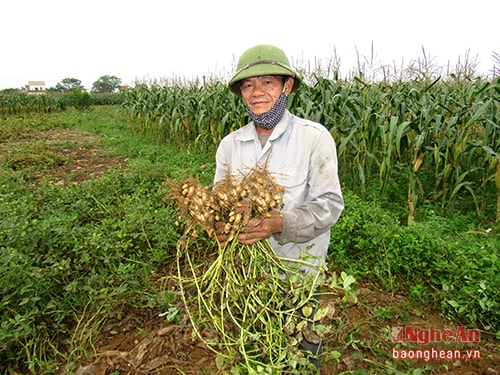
{"x":35,"y":87}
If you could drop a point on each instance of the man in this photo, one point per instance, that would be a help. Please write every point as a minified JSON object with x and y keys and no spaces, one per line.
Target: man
{"x":300,"y":154}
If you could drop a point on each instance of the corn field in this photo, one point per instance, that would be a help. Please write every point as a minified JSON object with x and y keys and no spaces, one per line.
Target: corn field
{"x":23,"y":104}
{"x":17,"y":104}
{"x":439,"y":140}
{"x":188,"y":116}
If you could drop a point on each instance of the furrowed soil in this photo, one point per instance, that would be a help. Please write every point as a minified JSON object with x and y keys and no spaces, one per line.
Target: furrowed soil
{"x":139,"y":341}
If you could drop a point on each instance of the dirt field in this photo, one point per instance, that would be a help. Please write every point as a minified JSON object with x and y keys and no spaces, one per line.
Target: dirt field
{"x":140,"y":342}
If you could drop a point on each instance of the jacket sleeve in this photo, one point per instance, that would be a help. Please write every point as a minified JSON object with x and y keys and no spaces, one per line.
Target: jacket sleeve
{"x":323,"y":202}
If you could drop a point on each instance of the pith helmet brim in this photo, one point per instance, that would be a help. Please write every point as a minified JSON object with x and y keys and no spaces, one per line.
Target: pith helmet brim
{"x":263,"y":60}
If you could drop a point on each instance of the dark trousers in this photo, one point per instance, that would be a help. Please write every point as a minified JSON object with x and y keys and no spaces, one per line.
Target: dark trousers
{"x":313,"y":349}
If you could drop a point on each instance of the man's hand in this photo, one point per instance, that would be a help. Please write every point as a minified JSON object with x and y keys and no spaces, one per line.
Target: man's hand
{"x":256,"y":229}
{"x":260,"y":228}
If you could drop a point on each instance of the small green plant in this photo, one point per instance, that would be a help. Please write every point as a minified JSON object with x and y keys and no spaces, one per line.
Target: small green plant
{"x":80,"y":99}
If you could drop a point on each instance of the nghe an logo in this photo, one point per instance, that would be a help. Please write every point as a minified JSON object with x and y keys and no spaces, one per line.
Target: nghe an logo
{"x":424,"y":336}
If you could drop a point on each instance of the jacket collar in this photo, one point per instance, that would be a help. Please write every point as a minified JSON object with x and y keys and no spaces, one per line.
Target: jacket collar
{"x":249,"y":133}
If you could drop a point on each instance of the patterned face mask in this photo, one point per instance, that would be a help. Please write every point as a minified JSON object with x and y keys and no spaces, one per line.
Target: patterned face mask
{"x":269,"y":119}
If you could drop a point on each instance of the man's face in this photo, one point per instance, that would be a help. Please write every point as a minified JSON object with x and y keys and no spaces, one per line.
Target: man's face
{"x":260,"y":93}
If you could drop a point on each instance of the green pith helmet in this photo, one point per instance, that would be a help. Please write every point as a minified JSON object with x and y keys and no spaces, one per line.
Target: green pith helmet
{"x":263,"y":60}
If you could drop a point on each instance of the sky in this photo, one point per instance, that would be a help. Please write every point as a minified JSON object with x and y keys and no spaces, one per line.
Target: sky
{"x":151,"y":40}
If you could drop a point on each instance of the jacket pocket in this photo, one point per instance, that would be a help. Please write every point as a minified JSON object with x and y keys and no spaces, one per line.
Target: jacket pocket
{"x":295,"y":183}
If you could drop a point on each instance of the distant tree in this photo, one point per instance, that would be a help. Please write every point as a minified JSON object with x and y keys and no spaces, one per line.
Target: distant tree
{"x":10,"y":91}
{"x":106,"y":84}
{"x":68,"y":84}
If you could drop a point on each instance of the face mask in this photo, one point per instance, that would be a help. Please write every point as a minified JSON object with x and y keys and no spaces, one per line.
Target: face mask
{"x":269,"y":119}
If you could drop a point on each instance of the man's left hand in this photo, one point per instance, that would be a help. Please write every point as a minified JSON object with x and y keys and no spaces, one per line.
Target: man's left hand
{"x":260,"y":228}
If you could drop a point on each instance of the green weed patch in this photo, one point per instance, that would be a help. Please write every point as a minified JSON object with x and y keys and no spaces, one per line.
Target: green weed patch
{"x":440,"y":261}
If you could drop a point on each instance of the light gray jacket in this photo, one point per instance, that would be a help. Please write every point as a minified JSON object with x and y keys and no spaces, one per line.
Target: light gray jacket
{"x":302,"y":155}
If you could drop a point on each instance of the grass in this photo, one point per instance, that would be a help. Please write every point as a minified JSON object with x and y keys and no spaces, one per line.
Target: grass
{"x":71,"y":254}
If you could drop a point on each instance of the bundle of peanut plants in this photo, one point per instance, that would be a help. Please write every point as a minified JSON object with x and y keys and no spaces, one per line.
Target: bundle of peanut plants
{"x":250,"y":306}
